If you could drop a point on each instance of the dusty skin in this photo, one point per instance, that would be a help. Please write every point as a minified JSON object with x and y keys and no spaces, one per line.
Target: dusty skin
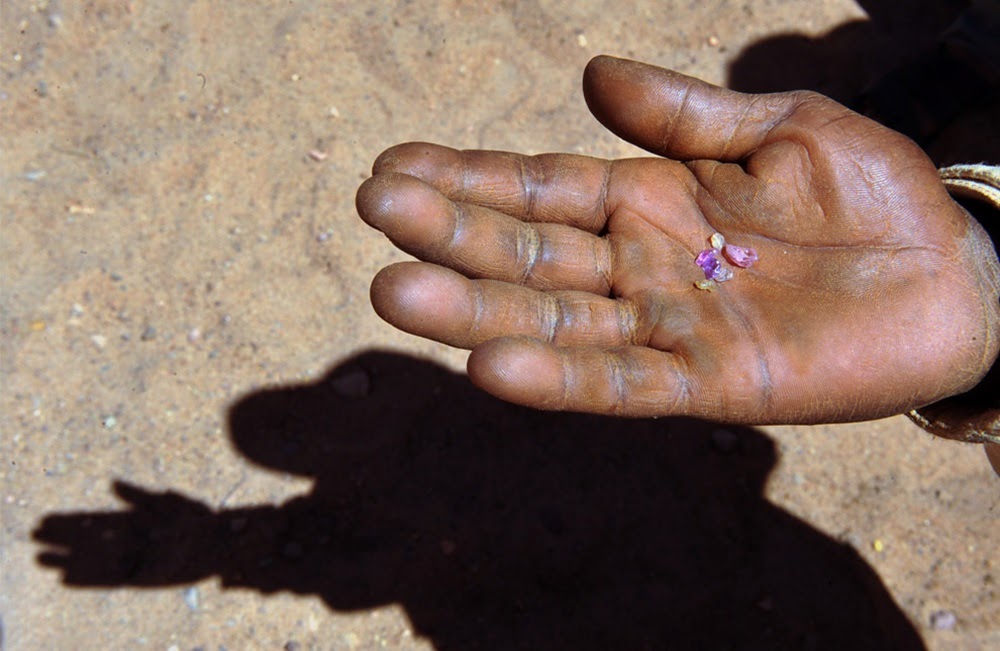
{"x":210,"y":440}
{"x":570,"y":277}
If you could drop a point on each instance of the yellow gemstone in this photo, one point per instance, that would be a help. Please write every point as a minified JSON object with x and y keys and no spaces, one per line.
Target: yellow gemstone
{"x":706,"y":285}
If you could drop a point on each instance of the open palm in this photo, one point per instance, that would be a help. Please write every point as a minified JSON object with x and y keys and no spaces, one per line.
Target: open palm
{"x":572,"y":279}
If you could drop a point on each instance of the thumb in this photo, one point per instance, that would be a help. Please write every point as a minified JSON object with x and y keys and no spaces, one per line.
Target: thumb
{"x":677,"y":116}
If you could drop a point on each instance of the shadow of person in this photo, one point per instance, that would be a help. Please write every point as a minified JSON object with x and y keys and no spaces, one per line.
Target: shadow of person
{"x":926,"y":68}
{"x":497,"y":527}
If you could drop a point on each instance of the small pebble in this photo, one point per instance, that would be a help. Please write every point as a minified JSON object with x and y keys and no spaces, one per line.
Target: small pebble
{"x":110,"y":421}
{"x":724,"y":441}
{"x":192,"y":597}
{"x":943,"y":620}
{"x":292,"y":550}
{"x":148,"y":334}
{"x":878,"y":546}
{"x":355,"y":383}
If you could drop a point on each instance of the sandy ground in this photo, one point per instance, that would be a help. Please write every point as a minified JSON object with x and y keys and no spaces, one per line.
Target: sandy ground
{"x":229,"y":450}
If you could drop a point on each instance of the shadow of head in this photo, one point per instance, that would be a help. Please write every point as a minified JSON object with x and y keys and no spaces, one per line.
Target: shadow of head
{"x":926,"y":68}
{"x":497,"y":527}
{"x":375,"y":415}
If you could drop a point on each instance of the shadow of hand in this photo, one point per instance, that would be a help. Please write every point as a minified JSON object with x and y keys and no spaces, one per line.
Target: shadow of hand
{"x":154,"y":542}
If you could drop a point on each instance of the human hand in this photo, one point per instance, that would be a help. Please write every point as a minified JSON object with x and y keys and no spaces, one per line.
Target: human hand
{"x":571,"y":279}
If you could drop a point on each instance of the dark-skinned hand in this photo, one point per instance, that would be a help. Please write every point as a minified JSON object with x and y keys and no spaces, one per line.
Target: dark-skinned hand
{"x":572,"y":279}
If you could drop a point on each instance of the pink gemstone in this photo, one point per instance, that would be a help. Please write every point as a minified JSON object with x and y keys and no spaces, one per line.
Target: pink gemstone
{"x":739,"y":256}
{"x":709,"y":262}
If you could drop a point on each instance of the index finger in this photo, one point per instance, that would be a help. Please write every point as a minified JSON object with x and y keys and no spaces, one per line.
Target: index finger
{"x":554,"y":188}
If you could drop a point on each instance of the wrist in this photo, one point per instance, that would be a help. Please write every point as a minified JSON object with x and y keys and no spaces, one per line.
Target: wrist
{"x":973,"y":416}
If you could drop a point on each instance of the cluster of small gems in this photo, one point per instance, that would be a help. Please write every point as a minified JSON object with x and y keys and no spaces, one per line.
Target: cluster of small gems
{"x":711,"y":261}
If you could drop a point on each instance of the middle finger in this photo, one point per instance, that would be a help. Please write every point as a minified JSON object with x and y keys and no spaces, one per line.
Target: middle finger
{"x":480,"y":242}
